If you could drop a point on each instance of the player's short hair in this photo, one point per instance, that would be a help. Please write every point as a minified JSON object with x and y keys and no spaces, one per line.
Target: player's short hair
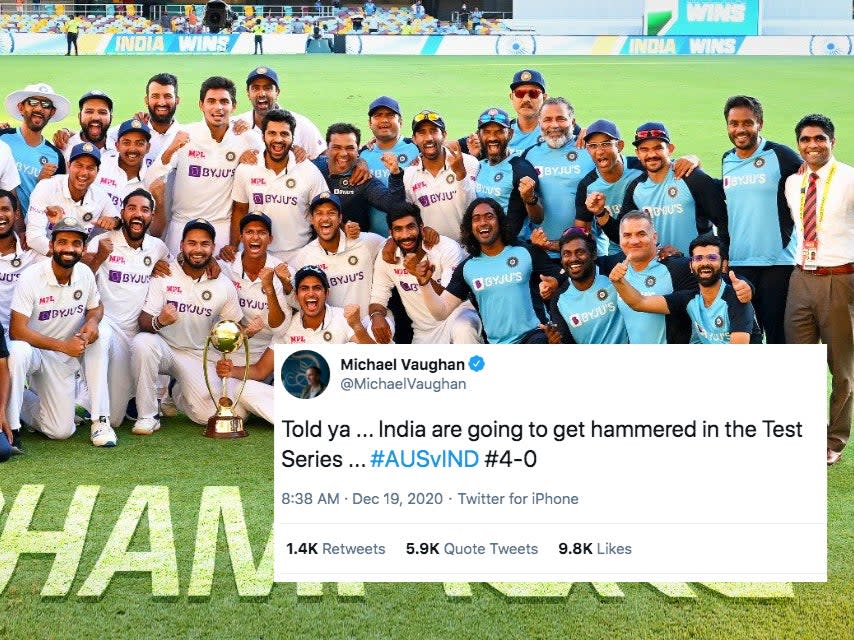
{"x":278,"y":115}
{"x":12,"y":198}
{"x":166,"y":79}
{"x":408,"y":209}
{"x":706,"y":240}
{"x":218,"y":82}
{"x":467,"y":238}
{"x":750,"y":102}
{"x":637,"y":215}
{"x":343,"y":128}
{"x":578,"y":233}
{"x":139,"y":192}
{"x":559,"y":100}
{"x":816,"y":120}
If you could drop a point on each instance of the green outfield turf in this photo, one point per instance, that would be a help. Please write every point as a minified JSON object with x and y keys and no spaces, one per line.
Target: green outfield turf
{"x":688,"y":95}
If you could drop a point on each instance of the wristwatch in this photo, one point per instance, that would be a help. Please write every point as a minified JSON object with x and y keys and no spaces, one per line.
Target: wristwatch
{"x":533,"y":200}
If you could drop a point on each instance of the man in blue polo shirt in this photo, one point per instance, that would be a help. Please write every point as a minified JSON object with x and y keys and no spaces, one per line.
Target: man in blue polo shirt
{"x":762,"y":240}
{"x":499,"y":274}
{"x":716,"y":314}
{"x":36,"y":158}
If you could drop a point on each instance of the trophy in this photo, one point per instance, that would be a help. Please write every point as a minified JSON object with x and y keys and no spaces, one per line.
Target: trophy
{"x":226,"y":336}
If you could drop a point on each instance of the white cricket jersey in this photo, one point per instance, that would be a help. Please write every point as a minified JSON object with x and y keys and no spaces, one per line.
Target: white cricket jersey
{"x":124,"y":276}
{"x":55,"y":310}
{"x":9,"y":177}
{"x":200,"y":303}
{"x":306,"y":134}
{"x":11,"y":267}
{"x":333,"y":330}
{"x":109,"y":150}
{"x":253,"y":302}
{"x":444,"y":256}
{"x":204,"y":174}
{"x":442,"y":198}
{"x":350,"y":270}
{"x":159,"y":141}
{"x":54,"y":191}
{"x":115,"y":182}
{"x":284,"y":197}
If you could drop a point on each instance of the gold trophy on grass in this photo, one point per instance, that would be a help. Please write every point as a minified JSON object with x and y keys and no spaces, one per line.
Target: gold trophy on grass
{"x":226,"y":337}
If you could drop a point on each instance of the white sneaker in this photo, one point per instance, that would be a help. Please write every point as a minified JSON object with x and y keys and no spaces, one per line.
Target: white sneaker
{"x":145,"y":426}
{"x":168,"y":408}
{"x":102,"y":433}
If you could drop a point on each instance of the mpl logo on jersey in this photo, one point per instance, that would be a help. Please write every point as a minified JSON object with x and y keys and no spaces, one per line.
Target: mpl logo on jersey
{"x":479,"y":284}
{"x":116,"y":259}
{"x":257,"y":181}
{"x":107,"y":182}
{"x":195,"y":153}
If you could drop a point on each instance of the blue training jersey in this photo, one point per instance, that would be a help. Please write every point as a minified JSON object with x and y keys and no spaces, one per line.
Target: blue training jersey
{"x":591,"y":316}
{"x":406,"y":152}
{"x":614,"y":193}
{"x":715,"y":323}
{"x":522,"y":141}
{"x":560,"y":172}
{"x":761,"y":227}
{"x":29,"y":161}
{"x":501,"y":182}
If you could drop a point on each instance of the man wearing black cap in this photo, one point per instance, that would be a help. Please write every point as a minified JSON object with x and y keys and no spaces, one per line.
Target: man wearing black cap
{"x":73,"y":195}
{"x":508,"y":179}
{"x":174,"y":323}
{"x":441,"y":184}
{"x":385,"y":118}
{"x":121,"y":174}
{"x":95,"y":116}
{"x":262,"y":89}
{"x":55,"y":331}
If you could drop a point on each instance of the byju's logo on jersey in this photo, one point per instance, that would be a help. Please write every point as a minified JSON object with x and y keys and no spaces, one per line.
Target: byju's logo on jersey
{"x":480,"y":284}
{"x":650,"y":281}
{"x":194,"y":171}
{"x":258,"y":198}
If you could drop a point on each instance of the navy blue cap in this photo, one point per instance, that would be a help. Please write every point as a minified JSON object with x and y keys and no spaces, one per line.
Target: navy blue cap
{"x":428,"y":115}
{"x":134,"y":126}
{"x":95,"y":93}
{"x":262,"y":72}
{"x":311,"y":270}
{"x":257,"y":216}
{"x":528,"y":76}
{"x":651,"y":131}
{"x":603,"y":126}
{"x":199,"y":223}
{"x":496,"y":115}
{"x":85,"y":149}
{"x":325,"y":197}
{"x":388,"y":103}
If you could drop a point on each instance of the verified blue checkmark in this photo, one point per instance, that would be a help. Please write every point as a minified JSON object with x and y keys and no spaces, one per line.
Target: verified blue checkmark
{"x":476,"y":363}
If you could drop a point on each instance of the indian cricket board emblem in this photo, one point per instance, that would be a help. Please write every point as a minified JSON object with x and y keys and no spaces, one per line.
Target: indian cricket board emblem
{"x":78,"y":294}
{"x":354,"y":260}
{"x":512,"y":261}
{"x":345,"y":182}
{"x":450,"y":179}
{"x":230,"y":156}
{"x":719,"y":322}
{"x":650,"y":281}
{"x":402,"y":157}
{"x":672,"y":192}
{"x":136,"y":124}
{"x":602,"y":294}
{"x":492,"y":112}
{"x":16,"y":262}
{"x":261,"y":70}
{"x":43,"y":160}
{"x":759,"y":163}
{"x":147,"y":261}
{"x":88,"y":147}
{"x":327,"y":336}
{"x":87,"y":216}
{"x":572,"y":156}
{"x":206,"y":295}
{"x":290,"y":183}
{"x":525,"y":75}
{"x":499,"y":176}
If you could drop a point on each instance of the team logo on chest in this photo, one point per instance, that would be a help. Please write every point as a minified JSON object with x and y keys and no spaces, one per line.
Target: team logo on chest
{"x":354,"y":260}
{"x":450,"y":179}
{"x":650,"y":281}
{"x":402,"y":158}
{"x":230,"y":156}
{"x":206,"y":295}
{"x":290,"y":183}
{"x":345,"y":182}
{"x":602,"y":294}
{"x":498,"y":176}
{"x":719,"y":322}
{"x":512,"y":261}
{"x":43,"y":160}
{"x":327,"y":336}
{"x":672,"y":192}
{"x":759,"y":163}
{"x":78,"y":294}
{"x":16,"y":262}
{"x":87,"y":216}
{"x":572,"y":156}
{"x":147,"y":261}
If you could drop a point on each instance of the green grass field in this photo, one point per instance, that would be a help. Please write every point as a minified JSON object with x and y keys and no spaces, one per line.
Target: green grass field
{"x":688,"y":95}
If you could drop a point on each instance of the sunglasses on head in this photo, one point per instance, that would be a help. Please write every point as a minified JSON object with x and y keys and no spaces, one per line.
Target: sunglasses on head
{"x":650,"y":133}
{"x":711,"y":257}
{"x":432,"y":116}
{"x":43,"y":102}
{"x":501,"y":118}
{"x":531,"y":93}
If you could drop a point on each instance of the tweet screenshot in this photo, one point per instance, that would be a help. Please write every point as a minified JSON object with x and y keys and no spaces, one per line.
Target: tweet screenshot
{"x":491,"y":463}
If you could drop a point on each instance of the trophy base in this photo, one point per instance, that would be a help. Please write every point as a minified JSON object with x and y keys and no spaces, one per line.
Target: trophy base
{"x":225,"y":427}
